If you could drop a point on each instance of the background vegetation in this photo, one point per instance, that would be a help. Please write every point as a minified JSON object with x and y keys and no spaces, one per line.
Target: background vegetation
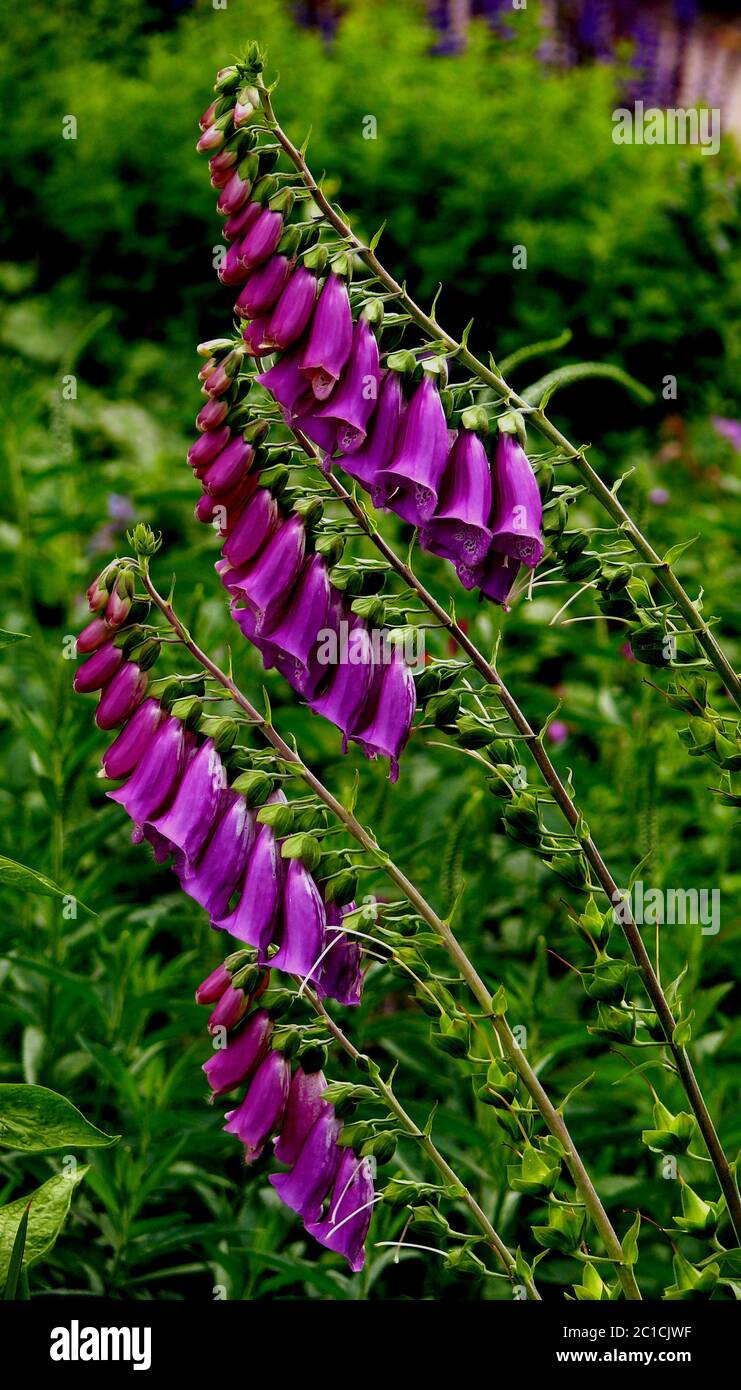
{"x":107,"y":275}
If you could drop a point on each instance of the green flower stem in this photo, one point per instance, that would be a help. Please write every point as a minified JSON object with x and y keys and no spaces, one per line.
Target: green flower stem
{"x":571,"y":814}
{"x":433,"y":1153}
{"x":552,"y":1117}
{"x":608,"y":499}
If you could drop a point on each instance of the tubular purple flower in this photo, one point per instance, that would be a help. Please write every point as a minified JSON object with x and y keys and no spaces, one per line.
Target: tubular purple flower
{"x":374,"y":455}
{"x":497,"y":576}
{"x":330,"y":338}
{"x":263,"y":288}
{"x":234,"y":194}
{"x":350,"y":685}
{"x":98,"y":669}
{"x":211,"y":415}
{"x":306,"y":1186}
{"x":254,"y":918}
{"x":296,"y":634}
{"x":389,"y":725}
{"x":231,"y":1065}
{"x":212,"y":139}
{"x":257,"y":523}
{"x":124,"y":753}
{"x":156,"y":773}
{"x":93,"y":636}
{"x":354,"y":401}
{"x":267,"y":584}
{"x":119,"y":600}
{"x":321,"y":432}
{"x":518,"y":508}
{"x":207,"y":446}
{"x":231,"y":271}
{"x":291,"y":314}
{"x":254,"y":338}
{"x":345,"y":1226}
{"x":340,"y":973}
{"x":412,"y":478}
{"x":459,"y":528}
{"x":198,"y":800}
{"x":304,"y":1107}
{"x":302,"y":934}
{"x":232,"y":1006}
{"x":221,"y":865}
{"x":284,"y":380}
{"x":239,"y":224}
{"x":262,"y":238}
{"x":214,"y":985}
{"x":261,"y":1111}
{"x":121,"y":696}
{"x":226,"y":470}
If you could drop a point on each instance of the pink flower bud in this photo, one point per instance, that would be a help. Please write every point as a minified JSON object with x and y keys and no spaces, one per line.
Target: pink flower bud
{"x":212,"y":414}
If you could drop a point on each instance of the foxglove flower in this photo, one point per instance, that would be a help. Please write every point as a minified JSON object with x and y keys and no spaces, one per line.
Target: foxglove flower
{"x":231,"y":1065}
{"x":234,"y":194}
{"x":263,"y":287}
{"x":98,"y":669}
{"x":262,"y":238}
{"x":387,"y":729}
{"x":214,"y":985}
{"x":207,"y":446}
{"x":517,"y":507}
{"x":291,"y":314}
{"x":296,"y":633}
{"x":256,"y":914}
{"x":330,"y":338}
{"x":221,"y":865}
{"x":304,"y":1107}
{"x":199,"y":798}
{"x":231,"y":1006}
{"x":354,"y":401}
{"x":240,"y":222}
{"x":261,"y":1111}
{"x":93,"y":636}
{"x":284,"y":381}
{"x":254,"y":338}
{"x":226,"y":470}
{"x":497,"y":576}
{"x":156,"y":774}
{"x":257,"y":523}
{"x":349,"y":687}
{"x":303,"y":923}
{"x":125,"y":752}
{"x":340,"y":974}
{"x":374,"y":455}
{"x":121,"y":696}
{"x":459,"y":528}
{"x":266,"y":586}
{"x":211,"y":415}
{"x":411,"y":480}
{"x":232,"y":271}
{"x":345,"y":1225}
{"x":307,"y":1184}
{"x":306,"y":418}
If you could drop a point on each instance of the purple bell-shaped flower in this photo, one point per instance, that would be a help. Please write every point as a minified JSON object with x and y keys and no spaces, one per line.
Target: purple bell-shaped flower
{"x":388,"y":726}
{"x":459,"y":529}
{"x":354,"y":401}
{"x":411,"y":480}
{"x":330,"y":338}
{"x":518,"y":508}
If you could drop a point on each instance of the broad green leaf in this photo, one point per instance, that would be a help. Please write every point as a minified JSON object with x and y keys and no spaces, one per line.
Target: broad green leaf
{"x":8,"y":638}
{"x":31,"y":881}
{"x":37,"y":1120}
{"x":49,"y":1206}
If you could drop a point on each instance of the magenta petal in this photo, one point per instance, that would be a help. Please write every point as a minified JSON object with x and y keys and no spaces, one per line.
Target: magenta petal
{"x":354,"y":400}
{"x":302,"y":933}
{"x":518,"y":508}
{"x":412,"y":478}
{"x":291,"y":314}
{"x":284,"y":380}
{"x":156,"y":773}
{"x":228,"y":468}
{"x":257,"y":523}
{"x":389,"y":725}
{"x":340,"y":975}
{"x":231,"y":1065}
{"x":330,"y":337}
{"x":296,"y":633}
{"x":218,"y":872}
{"x":306,"y":1186}
{"x":262,"y":289}
{"x":304,"y":1107}
{"x":349,"y":687}
{"x":459,"y":529}
{"x":98,"y":669}
{"x":374,"y":455}
{"x":207,"y":446}
{"x":345,"y":1226}
{"x":266,"y":586}
{"x":124,"y":753}
{"x":240,"y":222}
{"x":262,"y":1109}
{"x":261,"y":239}
{"x":187,"y":822}
{"x":496,"y":576}
{"x":124,"y":691}
{"x":211,"y":989}
{"x":254,"y":918}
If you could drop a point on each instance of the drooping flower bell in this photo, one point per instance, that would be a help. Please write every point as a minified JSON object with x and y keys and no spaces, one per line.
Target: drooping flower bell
{"x":350,"y":684}
{"x":304,"y":1107}
{"x":214,"y":985}
{"x":303,"y":924}
{"x":306,"y":1186}
{"x":98,"y":669}
{"x":354,"y":400}
{"x":518,"y":508}
{"x":156,"y":774}
{"x":295,"y":635}
{"x":199,"y":798}
{"x":291,"y":314}
{"x":231,"y":1006}
{"x":207,"y":446}
{"x":345,"y":1224}
{"x":256,"y":524}
{"x":497,"y":575}
{"x":412,"y":478}
{"x":284,"y":381}
{"x":459,"y":529}
{"x":261,"y":1111}
{"x":340,"y":973}
{"x":226,"y":470}
{"x":220,"y":867}
{"x":262,"y":238}
{"x":388,"y":724}
{"x":256,"y":914}
{"x":330,"y":338}
{"x":121,"y":696}
{"x":231,"y":1065}
{"x":126,"y":750}
{"x":374,"y":454}
{"x":263,"y":288}
{"x":266,"y":585}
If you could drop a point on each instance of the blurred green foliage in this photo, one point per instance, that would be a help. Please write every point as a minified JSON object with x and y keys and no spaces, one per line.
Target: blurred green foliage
{"x":108,"y":279}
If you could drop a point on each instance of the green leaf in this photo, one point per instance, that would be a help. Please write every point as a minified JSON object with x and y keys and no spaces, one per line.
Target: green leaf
{"x":37,"y":1120}
{"x":16,"y":1256}
{"x":377,"y":237}
{"x":8,"y":638}
{"x":49,"y":1205}
{"x":540,"y":392}
{"x":630,"y":1242}
{"x":674,"y":551}
{"x":28,"y":880}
